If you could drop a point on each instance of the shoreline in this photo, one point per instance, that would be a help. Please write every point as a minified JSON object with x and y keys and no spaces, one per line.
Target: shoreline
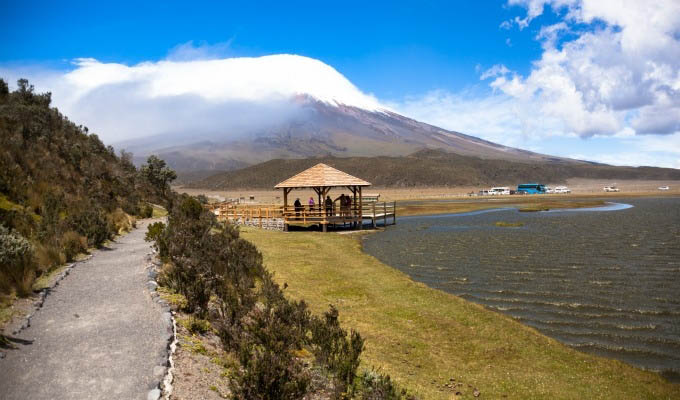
{"x":426,"y":338}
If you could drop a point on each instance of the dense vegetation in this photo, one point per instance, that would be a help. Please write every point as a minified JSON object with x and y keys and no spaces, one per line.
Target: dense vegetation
{"x":430,"y":168}
{"x":222,"y":278}
{"x":61,"y":189}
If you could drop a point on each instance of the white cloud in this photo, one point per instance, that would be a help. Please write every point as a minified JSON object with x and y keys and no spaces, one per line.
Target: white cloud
{"x":207,"y":97}
{"x":496,"y":70}
{"x":622,"y":69}
{"x":608,"y":71}
{"x":190,"y":51}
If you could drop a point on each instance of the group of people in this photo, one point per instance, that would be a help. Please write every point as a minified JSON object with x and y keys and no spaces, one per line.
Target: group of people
{"x":329,"y":205}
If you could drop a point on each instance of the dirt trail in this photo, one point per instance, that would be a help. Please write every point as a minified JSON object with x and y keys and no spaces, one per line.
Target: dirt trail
{"x":99,"y":334}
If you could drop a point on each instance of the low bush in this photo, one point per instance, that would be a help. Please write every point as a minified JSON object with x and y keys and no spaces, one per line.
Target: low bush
{"x":72,"y":244}
{"x":17,"y":266}
{"x":48,"y":256}
{"x":265,"y":374}
{"x":121,"y":221}
{"x":332,"y":346}
{"x":373,"y":385}
{"x":146,"y":211}
{"x":92,"y":223}
{"x":195,"y":325}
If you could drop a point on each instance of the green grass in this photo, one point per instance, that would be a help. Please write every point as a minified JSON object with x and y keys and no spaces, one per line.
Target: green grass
{"x":504,"y":224}
{"x":423,"y":337}
{"x":6,"y":204}
{"x":172,"y":297}
{"x":158,"y":211}
{"x":195,"y":325}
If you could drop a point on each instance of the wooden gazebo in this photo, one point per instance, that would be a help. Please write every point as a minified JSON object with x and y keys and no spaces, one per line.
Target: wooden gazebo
{"x":321,"y":178}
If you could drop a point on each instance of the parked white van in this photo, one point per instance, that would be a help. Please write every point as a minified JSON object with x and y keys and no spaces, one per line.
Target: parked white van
{"x":496,"y":191}
{"x":562,"y":189}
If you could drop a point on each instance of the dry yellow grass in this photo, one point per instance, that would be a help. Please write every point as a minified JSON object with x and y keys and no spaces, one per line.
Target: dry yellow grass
{"x":424,"y":337}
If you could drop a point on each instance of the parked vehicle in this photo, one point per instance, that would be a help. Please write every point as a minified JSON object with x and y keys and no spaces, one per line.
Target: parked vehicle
{"x":562,"y":189}
{"x":500,"y":190}
{"x":664,"y":188}
{"x":611,"y":189}
{"x":531,"y":188}
{"x":548,"y":189}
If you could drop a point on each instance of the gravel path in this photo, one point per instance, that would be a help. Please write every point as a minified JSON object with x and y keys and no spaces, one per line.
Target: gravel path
{"x":98,"y":335}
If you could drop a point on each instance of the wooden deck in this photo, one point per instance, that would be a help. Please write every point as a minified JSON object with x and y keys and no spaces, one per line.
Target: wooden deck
{"x":276,"y":217}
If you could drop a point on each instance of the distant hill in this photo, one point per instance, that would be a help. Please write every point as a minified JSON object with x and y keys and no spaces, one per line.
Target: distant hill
{"x":430,"y":168}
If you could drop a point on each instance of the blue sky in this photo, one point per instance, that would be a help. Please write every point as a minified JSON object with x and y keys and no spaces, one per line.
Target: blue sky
{"x":424,"y":59}
{"x":389,"y":49}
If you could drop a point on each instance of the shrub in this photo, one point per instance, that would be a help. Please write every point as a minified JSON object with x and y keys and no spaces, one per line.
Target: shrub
{"x":156,"y":233}
{"x":146,"y":211}
{"x":195,"y":325}
{"x":331,"y":347}
{"x":374,"y":385}
{"x":72,"y":244}
{"x":17,"y":268}
{"x":265,"y":374}
{"x":48,"y":256}
{"x":92,"y":223}
{"x":121,"y":221}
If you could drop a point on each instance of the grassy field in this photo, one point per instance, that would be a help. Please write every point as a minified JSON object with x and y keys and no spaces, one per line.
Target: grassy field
{"x":425,"y":338}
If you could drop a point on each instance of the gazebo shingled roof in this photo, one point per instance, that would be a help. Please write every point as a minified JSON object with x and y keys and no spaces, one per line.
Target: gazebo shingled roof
{"x":321,"y":175}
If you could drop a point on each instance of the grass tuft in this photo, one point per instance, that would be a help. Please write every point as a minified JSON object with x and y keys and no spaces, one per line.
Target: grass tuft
{"x":504,"y":224}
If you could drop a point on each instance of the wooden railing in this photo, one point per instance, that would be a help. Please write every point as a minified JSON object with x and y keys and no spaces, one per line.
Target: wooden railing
{"x":277,"y":217}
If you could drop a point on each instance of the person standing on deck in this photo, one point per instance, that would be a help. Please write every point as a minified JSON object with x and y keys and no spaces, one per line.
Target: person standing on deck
{"x":329,"y":206}
{"x":311,"y":203}
{"x":342,"y":204}
{"x":298,"y":208}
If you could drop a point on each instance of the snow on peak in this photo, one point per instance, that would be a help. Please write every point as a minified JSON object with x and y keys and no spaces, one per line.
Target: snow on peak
{"x":253,"y":79}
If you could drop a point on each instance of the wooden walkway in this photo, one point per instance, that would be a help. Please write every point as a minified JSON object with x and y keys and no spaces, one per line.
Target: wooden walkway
{"x":276,"y":217}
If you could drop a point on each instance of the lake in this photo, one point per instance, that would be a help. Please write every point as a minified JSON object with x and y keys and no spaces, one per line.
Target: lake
{"x":602,"y":281}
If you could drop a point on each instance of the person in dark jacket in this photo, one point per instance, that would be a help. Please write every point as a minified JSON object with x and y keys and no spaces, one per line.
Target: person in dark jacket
{"x":329,"y":206}
{"x":298,"y":207}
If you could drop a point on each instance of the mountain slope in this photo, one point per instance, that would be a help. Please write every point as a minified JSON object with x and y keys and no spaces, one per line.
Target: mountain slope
{"x":429,"y":168}
{"x":324,"y":129}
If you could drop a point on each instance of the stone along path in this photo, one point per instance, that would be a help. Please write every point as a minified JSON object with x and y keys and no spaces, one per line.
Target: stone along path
{"x":98,"y":335}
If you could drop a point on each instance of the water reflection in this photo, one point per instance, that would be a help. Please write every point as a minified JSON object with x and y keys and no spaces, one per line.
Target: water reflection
{"x":603,"y":282}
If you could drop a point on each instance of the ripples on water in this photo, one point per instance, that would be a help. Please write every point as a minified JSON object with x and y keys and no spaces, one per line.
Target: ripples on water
{"x":605,"y":282}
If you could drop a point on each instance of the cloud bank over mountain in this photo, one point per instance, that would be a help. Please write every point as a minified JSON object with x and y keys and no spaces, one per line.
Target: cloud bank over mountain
{"x":202,"y":97}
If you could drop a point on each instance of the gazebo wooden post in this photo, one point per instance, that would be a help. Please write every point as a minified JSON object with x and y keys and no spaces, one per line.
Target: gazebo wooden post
{"x":361,"y":210}
{"x":285,"y":206}
{"x":354,"y":206}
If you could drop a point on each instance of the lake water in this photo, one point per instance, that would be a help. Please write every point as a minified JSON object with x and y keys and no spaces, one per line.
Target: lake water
{"x":603,"y":281}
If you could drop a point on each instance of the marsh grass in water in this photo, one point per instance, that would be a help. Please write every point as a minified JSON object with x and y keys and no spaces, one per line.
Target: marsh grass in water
{"x":504,"y":224}
{"x":523,"y":203}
